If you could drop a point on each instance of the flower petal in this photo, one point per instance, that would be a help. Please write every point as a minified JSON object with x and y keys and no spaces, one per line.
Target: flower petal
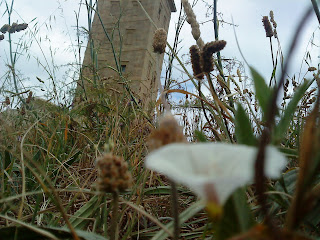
{"x":226,"y":166}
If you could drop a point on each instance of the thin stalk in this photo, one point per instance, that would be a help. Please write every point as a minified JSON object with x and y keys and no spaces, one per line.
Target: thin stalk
{"x":206,"y":117}
{"x":114,"y":221}
{"x":273,"y":64}
{"x":79,"y":52}
{"x":13,"y":59}
{"x":224,"y":124}
{"x":216,"y":35}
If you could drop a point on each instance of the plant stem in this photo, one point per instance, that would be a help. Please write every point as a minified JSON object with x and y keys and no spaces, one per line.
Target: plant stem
{"x":175,"y":210}
{"x":216,"y":35}
{"x":113,"y":227}
{"x":273,"y":64}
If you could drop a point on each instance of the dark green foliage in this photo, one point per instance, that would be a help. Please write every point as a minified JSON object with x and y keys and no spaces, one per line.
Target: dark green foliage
{"x":263,"y":92}
{"x":200,"y":136}
{"x":237,"y":217}
{"x":244,"y":132}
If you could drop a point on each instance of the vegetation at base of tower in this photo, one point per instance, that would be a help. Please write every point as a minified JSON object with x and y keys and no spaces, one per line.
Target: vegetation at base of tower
{"x":231,"y":160}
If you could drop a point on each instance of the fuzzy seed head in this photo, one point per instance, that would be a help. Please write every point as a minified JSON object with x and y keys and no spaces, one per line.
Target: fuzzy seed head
{"x":113,"y":174}
{"x":159,"y":41}
{"x":195,"y":60}
{"x":267,"y":26}
{"x":191,"y":19}
{"x":169,"y":131}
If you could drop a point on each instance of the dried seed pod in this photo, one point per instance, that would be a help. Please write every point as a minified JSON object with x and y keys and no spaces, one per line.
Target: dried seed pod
{"x":159,"y":41}
{"x":1,"y":37}
{"x":195,"y":60}
{"x":267,"y":26}
{"x":113,"y":174}
{"x":5,"y":28}
{"x":169,"y":131}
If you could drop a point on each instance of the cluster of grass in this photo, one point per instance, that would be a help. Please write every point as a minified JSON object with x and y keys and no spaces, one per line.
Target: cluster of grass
{"x":48,"y":154}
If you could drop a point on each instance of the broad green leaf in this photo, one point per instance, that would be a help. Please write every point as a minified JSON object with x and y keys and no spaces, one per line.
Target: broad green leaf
{"x":282,"y":127}
{"x":263,"y":92}
{"x":183,"y":217}
{"x":244,"y":131}
{"x":237,"y":217}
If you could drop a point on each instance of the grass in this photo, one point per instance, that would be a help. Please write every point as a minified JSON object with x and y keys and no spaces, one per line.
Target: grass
{"x":49,"y":179}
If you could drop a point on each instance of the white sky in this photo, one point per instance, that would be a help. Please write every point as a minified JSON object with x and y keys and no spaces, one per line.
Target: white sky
{"x":56,"y":22}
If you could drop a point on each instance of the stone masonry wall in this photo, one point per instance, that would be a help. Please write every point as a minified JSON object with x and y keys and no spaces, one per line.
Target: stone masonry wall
{"x":131,"y":34}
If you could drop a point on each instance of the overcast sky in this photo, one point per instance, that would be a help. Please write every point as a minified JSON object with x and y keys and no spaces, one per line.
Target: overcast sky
{"x":56,"y":24}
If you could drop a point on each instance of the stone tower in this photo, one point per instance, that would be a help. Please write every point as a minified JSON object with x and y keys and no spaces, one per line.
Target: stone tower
{"x":131,"y":53}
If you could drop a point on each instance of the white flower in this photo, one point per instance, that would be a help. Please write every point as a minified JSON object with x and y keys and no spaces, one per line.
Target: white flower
{"x":220,"y":167}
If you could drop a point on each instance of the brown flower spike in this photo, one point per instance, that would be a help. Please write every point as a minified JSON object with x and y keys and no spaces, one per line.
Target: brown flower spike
{"x":207,"y":51}
{"x":195,"y":60}
{"x":267,"y":26}
{"x":159,"y":41}
{"x":113,"y":174}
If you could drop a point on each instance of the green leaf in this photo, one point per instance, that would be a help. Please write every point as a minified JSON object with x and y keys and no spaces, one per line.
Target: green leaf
{"x":80,"y":218}
{"x":237,"y":217}
{"x":200,"y":136}
{"x":292,"y":153}
{"x":183,"y":217}
{"x":282,"y":127}
{"x":263,"y":92}
{"x":244,"y":132}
